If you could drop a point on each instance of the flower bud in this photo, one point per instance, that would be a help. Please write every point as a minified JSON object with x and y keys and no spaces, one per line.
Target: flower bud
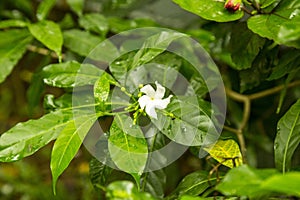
{"x":232,"y":5}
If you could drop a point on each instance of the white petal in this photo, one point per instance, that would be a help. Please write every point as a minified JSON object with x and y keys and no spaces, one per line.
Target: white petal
{"x":150,"y":110}
{"x":148,"y":90}
{"x":162,"y":104}
{"x":144,"y":100}
{"x":160,"y":91}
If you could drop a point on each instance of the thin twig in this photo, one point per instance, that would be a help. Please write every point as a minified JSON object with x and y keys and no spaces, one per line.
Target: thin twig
{"x":272,"y":90}
{"x":43,"y":51}
{"x":246,"y":99}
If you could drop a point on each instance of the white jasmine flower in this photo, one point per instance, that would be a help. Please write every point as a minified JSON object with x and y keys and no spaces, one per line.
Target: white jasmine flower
{"x":153,"y":99}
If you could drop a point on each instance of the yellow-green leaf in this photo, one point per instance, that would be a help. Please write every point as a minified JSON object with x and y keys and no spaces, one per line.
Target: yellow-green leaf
{"x":226,"y":152}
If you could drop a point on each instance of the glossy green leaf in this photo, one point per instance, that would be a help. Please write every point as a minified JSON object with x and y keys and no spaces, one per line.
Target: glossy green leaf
{"x":94,"y":22}
{"x":211,"y":10}
{"x":44,"y":8}
{"x":80,"y":42}
{"x":287,"y":137}
{"x":154,"y":181}
{"x":245,"y":181}
{"x":186,"y":197}
{"x":102,"y":89}
{"x":288,"y":183}
{"x":121,"y":190}
{"x":67,"y":144}
{"x":261,"y":68}
{"x":260,"y":183}
{"x":70,"y":74}
{"x":77,"y":6}
{"x":267,"y":3}
{"x":244,"y":46}
{"x":49,"y":34}
{"x":12,"y":23}
{"x":226,"y":152}
{"x":26,"y":138}
{"x":191,"y":124}
{"x":118,"y":25}
{"x":127,"y":146}
{"x":148,"y":50}
{"x":289,"y":61}
{"x":290,"y":32}
{"x":86,"y":44}
{"x":99,"y":173}
{"x":193,"y":184}
{"x":279,"y":25}
{"x":153,"y":46}
{"x":13,"y":45}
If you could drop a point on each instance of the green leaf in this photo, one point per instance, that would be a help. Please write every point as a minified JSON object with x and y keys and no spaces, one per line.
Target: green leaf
{"x":191,"y":124}
{"x":148,"y":50}
{"x":48,"y":33}
{"x":193,"y":184}
{"x":118,"y":25}
{"x":67,"y":144}
{"x":94,"y":22}
{"x":12,"y":23}
{"x":226,"y":152}
{"x":244,"y":46}
{"x":287,"y":137}
{"x":267,"y":3}
{"x":125,"y":190}
{"x":127,"y":145}
{"x":44,"y":8}
{"x":157,"y":44}
{"x":35,"y":92}
{"x":186,"y":197}
{"x":211,"y":10}
{"x":154,"y":181}
{"x":76,"y":5}
{"x":259,"y":183}
{"x":80,"y":42}
{"x":288,"y":183}
{"x":86,"y":44}
{"x":245,"y":181}
{"x":290,"y":32}
{"x":102,"y":89}
{"x":70,"y":74}
{"x":289,"y":61}
{"x":13,"y":45}
{"x":261,"y":68}
{"x":26,"y":138}
{"x":99,"y":173}
{"x":280,"y":26}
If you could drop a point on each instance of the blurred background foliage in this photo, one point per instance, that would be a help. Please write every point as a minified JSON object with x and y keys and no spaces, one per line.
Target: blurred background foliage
{"x":21,"y":95}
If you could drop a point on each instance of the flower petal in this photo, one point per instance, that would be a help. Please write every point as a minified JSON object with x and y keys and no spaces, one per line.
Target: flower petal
{"x":148,"y":90}
{"x":144,"y":100}
{"x":162,"y":104}
{"x":160,"y":91}
{"x":150,"y":110}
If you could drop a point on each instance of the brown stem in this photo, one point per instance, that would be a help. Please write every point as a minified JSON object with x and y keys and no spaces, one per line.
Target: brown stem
{"x":246,"y":99}
{"x":272,"y":90}
{"x":43,"y":51}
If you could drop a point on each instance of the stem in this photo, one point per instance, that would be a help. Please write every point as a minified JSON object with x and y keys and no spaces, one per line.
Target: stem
{"x":272,"y":90}
{"x":246,"y":99}
{"x":44,"y":52}
{"x":246,"y":10}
